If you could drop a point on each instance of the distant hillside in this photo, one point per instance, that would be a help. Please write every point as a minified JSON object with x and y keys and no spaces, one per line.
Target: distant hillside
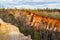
{"x":52,"y":13}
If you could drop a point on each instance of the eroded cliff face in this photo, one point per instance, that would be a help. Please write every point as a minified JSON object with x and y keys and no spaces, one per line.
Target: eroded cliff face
{"x":35,"y":19}
{"x":38,"y":21}
{"x":10,"y":32}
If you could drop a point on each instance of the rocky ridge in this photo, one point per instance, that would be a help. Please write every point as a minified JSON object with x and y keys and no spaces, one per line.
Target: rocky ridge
{"x":11,"y":32}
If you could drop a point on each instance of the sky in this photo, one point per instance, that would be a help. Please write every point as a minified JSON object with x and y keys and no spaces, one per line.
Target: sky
{"x":30,"y":4}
